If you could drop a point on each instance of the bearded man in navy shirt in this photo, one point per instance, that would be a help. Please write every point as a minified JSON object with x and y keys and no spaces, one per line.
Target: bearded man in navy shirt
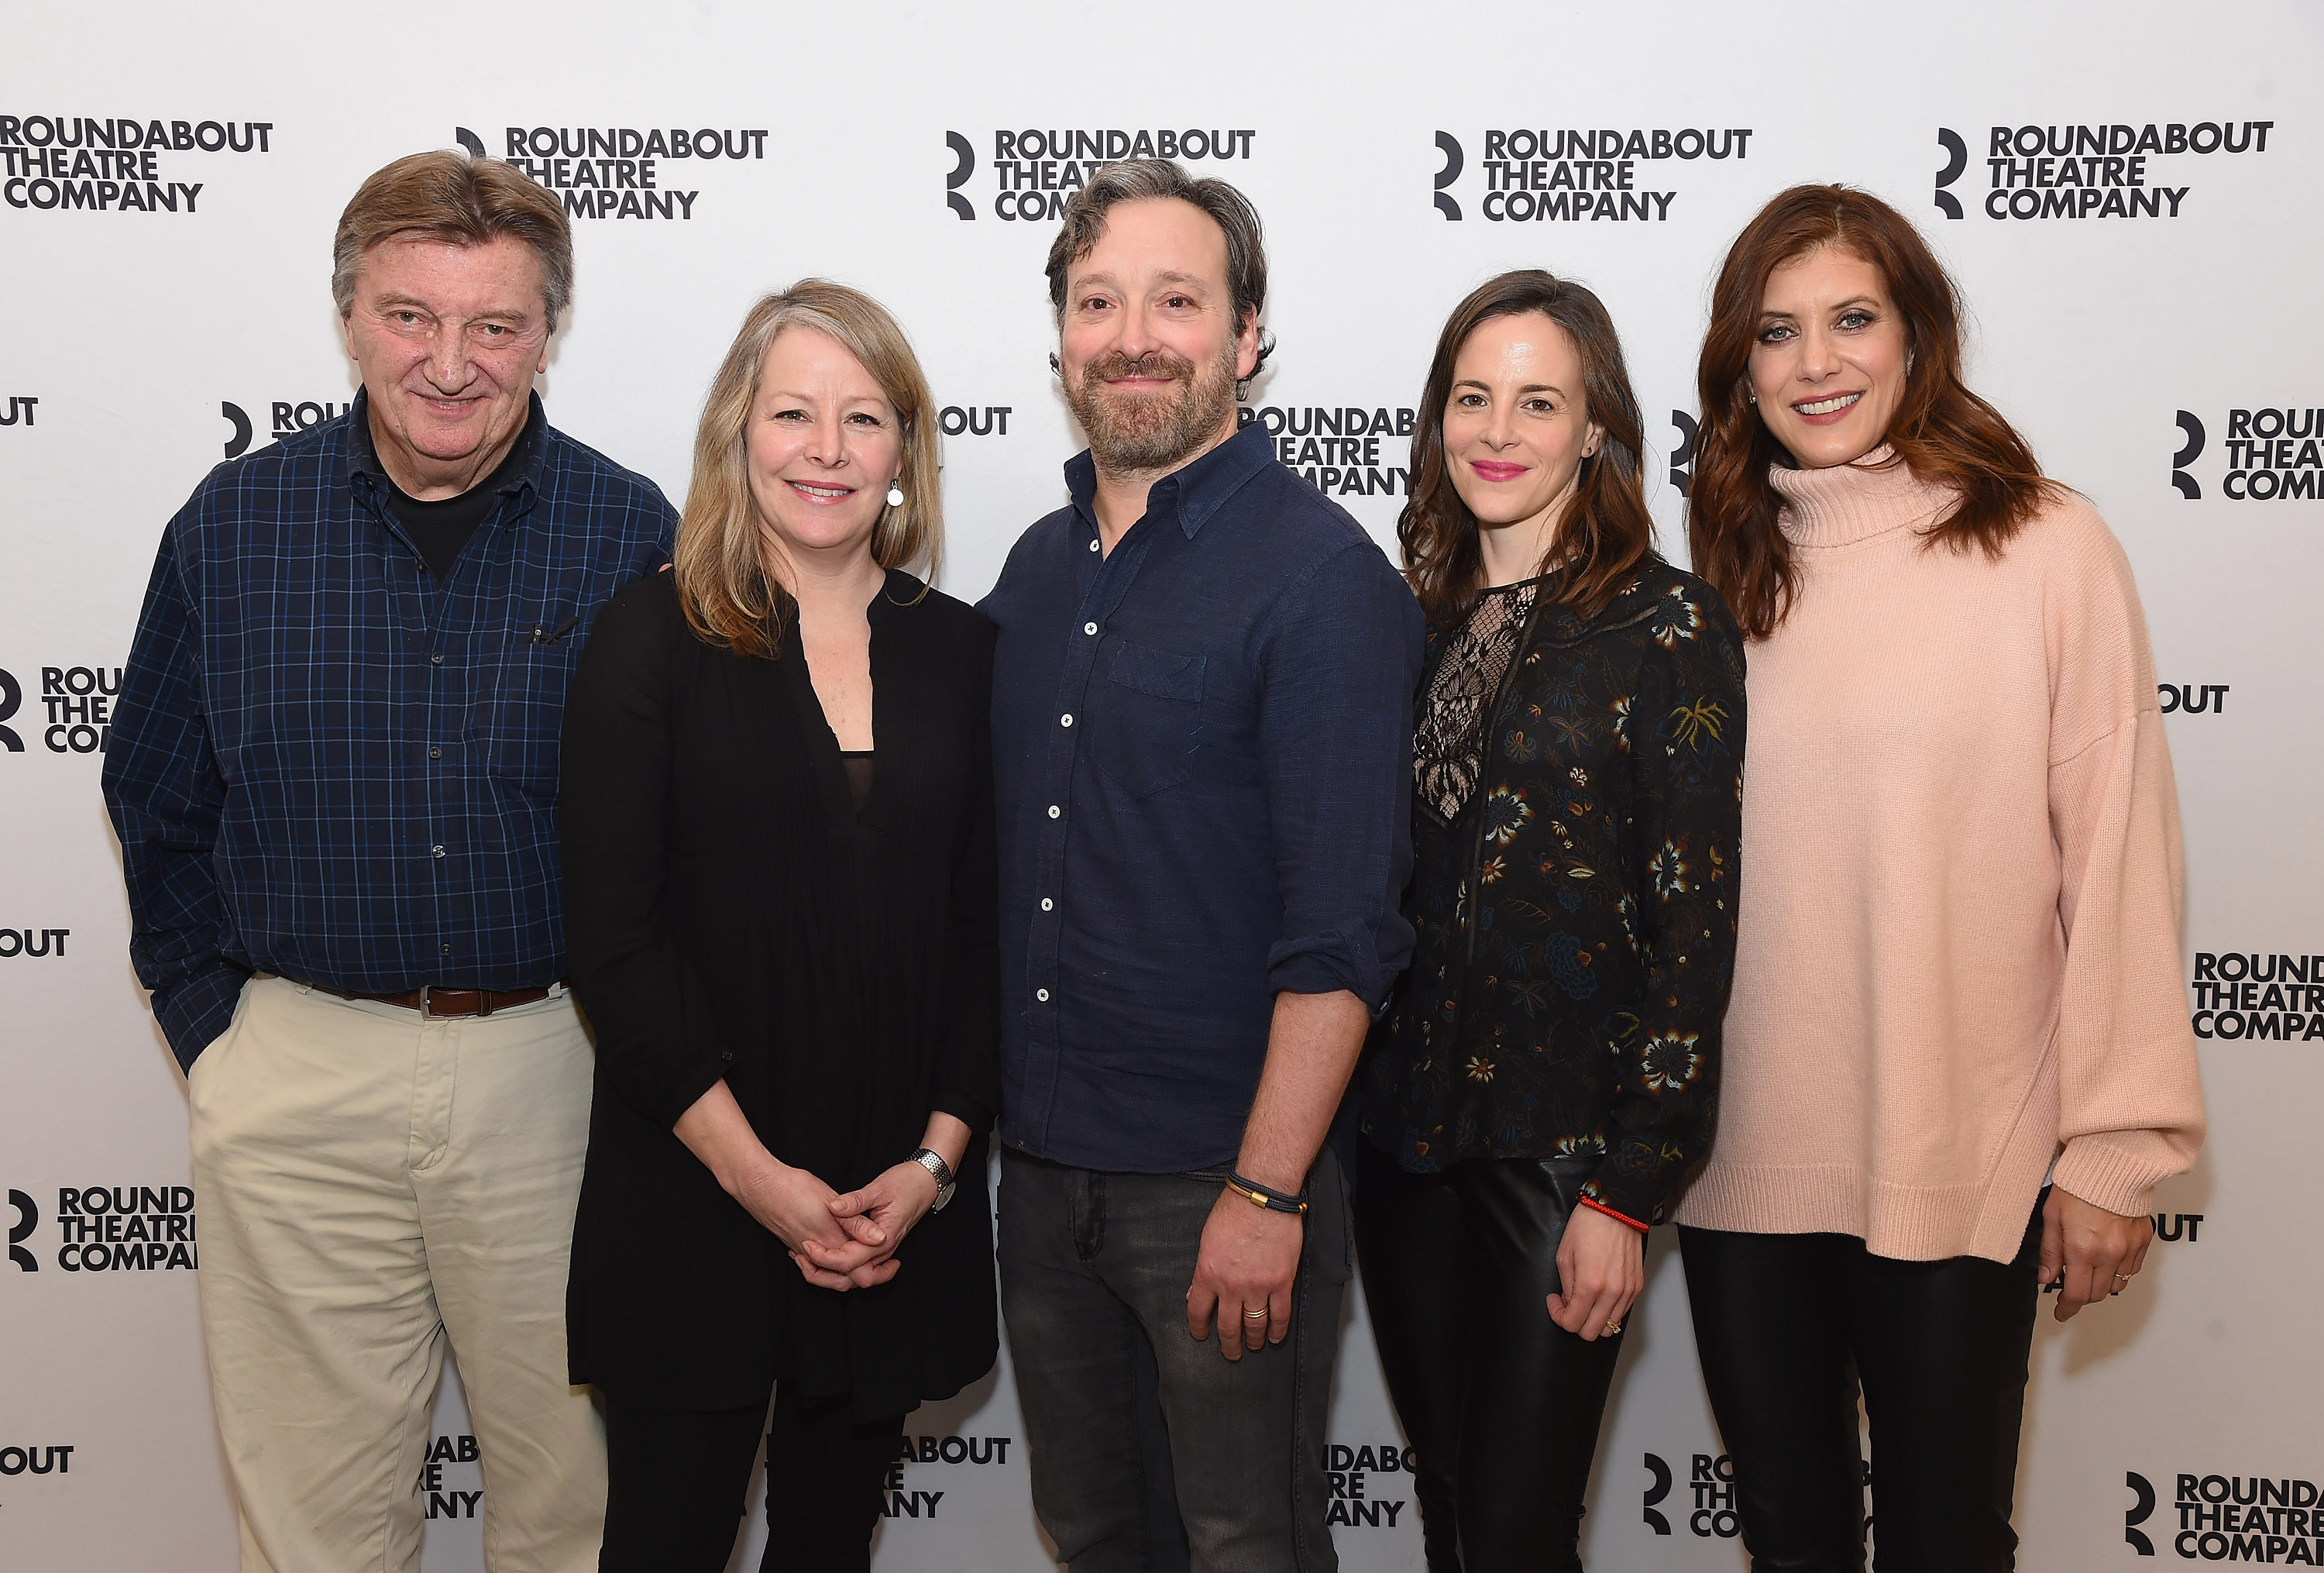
{"x":1202,"y":711}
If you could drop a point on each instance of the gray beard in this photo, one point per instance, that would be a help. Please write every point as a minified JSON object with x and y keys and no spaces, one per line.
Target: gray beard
{"x":1136,"y":434}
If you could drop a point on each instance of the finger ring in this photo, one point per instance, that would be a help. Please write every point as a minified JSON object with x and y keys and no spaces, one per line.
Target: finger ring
{"x":1613,"y":1327}
{"x":2122,"y":1278}
{"x":1254,"y":1316}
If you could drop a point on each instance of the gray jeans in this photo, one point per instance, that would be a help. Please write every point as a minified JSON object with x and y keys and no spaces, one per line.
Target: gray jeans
{"x":1151,"y":1453}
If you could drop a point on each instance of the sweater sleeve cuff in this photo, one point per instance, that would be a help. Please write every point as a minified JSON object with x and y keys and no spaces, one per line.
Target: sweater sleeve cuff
{"x":1619,"y":1218}
{"x":2118,"y":1170}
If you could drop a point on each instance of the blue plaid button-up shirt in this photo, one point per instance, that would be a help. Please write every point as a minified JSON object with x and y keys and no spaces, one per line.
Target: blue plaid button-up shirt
{"x":323,"y":764}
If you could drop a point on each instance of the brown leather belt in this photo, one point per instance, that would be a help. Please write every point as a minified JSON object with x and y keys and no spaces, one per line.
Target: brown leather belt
{"x":432,"y":1001}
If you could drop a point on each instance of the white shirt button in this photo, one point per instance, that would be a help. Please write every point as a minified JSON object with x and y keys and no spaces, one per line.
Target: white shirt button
{"x":1047,"y":903}
{"x":1093,"y":548}
{"x":1054,"y":811}
{"x":1089,"y":627}
{"x":1064,"y":720}
{"x":438,"y":851}
{"x":1042,"y":994}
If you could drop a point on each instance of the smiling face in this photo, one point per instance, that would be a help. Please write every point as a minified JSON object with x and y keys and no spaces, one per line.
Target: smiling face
{"x":1516,"y":429}
{"x":449,"y":339}
{"x":822,"y":449}
{"x":1148,"y":345}
{"x":1829,"y":357}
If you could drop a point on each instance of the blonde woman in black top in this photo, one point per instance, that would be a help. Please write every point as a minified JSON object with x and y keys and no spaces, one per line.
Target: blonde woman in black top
{"x":781,"y":893}
{"x":1547,"y":1069}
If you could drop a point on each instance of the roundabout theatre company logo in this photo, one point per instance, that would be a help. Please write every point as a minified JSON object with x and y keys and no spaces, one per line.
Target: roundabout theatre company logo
{"x":2271,"y":455}
{"x":1035,"y":172}
{"x":76,"y":701}
{"x":2227,"y":1518}
{"x":59,"y":162}
{"x":2258,"y":994}
{"x":1574,"y":174}
{"x":2089,"y":172}
{"x":121,"y":1228}
{"x":287,"y":418}
{"x":620,"y":171}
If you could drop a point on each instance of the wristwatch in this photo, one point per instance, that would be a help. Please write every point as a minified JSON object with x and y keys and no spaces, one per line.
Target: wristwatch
{"x":944,"y":1176}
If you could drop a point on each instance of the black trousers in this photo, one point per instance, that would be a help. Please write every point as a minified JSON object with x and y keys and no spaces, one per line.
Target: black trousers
{"x":676,"y":1481}
{"x":1500,"y":1403}
{"x":1788,"y":1326}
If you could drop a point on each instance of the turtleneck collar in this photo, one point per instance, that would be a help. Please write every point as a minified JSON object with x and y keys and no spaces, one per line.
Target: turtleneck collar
{"x":1848,"y":503}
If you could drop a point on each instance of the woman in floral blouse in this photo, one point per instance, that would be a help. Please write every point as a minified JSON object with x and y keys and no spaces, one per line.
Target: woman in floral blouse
{"x":1548,"y":1069}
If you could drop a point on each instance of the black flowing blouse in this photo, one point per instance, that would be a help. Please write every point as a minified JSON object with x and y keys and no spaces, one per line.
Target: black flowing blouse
{"x":730,"y":915}
{"x":1575,"y":911}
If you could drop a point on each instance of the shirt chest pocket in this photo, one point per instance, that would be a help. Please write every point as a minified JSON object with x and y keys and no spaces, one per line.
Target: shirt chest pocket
{"x":520,"y":709}
{"x":1146,"y":716}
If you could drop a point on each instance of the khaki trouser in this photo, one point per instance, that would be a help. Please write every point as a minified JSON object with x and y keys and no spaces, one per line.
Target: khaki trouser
{"x":367,"y":1183}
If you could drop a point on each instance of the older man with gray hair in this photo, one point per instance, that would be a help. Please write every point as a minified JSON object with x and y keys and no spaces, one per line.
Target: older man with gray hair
{"x":334,"y":772}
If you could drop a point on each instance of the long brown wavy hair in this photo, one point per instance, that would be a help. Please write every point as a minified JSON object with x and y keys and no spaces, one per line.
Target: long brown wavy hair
{"x":1607,"y":531}
{"x":1944,"y":433}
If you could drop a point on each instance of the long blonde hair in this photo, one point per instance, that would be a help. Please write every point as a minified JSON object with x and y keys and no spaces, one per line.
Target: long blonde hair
{"x":729,"y":597}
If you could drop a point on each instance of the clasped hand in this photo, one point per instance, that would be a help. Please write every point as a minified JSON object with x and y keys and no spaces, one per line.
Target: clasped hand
{"x":839,"y":1242}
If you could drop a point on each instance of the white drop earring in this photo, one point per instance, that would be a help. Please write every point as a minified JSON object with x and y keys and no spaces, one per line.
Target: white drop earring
{"x":895,"y":495}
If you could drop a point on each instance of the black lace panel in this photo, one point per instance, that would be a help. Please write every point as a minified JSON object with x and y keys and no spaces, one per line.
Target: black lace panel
{"x":1448,"y":743}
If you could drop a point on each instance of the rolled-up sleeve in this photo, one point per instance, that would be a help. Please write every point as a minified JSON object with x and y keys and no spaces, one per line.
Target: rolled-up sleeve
{"x":1339,"y":662}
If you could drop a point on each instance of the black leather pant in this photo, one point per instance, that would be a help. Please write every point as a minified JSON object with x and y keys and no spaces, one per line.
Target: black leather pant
{"x":1786,"y":1324}
{"x":1501,"y":1404}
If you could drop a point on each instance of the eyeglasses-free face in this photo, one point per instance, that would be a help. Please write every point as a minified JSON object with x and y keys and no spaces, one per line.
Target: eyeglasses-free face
{"x":1828,"y":358}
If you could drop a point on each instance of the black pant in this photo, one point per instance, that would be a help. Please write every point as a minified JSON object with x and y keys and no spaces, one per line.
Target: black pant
{"x":676,"y":1481}
{"x":1786,"y":1324}
{"x":1150,"y":1451}
{"x":1501,"y":1404}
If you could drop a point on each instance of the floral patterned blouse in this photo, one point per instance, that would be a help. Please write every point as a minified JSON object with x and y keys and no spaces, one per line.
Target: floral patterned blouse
{"x":1577,"y":797}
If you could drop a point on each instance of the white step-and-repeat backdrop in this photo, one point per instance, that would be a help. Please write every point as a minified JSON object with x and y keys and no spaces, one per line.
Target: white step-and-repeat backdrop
{"x":2127,"y":192}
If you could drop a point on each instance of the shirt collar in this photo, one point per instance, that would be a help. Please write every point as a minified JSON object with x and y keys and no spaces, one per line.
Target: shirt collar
{"x":523,"y":466}
{"x":1197,"y":489}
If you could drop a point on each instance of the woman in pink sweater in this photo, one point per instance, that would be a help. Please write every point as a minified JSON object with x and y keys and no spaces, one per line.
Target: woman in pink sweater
{"x":1958,"y":1057}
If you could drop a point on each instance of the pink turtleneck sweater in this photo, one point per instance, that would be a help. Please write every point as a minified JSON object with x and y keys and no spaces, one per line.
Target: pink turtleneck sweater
{"x":1958,"y":954}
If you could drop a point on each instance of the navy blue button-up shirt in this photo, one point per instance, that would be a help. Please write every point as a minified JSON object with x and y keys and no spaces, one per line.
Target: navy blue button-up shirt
{"x":325,"y":765}
{"x":1202,"y":757}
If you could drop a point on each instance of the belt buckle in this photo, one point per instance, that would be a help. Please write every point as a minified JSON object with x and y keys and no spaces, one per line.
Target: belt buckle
{"x":425,"y":1014}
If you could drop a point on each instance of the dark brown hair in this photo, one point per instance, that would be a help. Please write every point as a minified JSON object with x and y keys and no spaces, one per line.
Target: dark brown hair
{"x":467,"y":201}
{"x":1607,"y":532}
{"x":1946,"y":435}
{"x":1154,"y":180}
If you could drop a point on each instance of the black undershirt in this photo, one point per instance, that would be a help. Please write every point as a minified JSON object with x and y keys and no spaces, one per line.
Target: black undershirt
{"x":857,"y":763}
{"x":441,"y":528}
